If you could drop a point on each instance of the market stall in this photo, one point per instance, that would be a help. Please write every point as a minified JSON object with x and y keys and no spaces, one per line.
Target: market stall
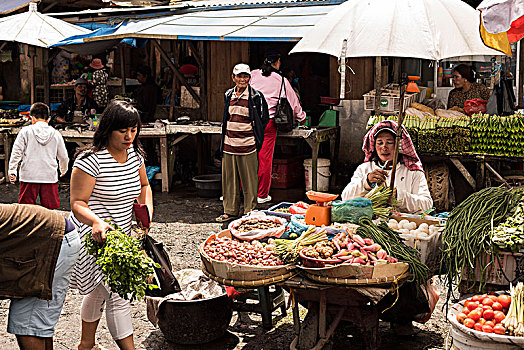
{"x":330,"y":256}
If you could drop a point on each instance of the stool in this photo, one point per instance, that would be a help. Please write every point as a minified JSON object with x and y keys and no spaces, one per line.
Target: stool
{"x":268,"y":301}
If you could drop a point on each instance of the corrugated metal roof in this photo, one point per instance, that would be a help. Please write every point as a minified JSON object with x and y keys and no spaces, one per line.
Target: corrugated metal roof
{"x":250,"y":24}
{"x":8,"y":6}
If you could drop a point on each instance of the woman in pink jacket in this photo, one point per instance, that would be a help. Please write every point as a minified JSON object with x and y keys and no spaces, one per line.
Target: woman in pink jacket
{"x":268,"y":80}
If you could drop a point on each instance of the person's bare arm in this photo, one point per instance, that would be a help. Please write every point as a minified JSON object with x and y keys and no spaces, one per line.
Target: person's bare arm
{"x":146,"y":195}
{"x":82,"y":186}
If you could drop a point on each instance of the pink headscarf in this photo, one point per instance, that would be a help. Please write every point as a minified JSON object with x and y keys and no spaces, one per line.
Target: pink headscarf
{"x":409,"y":155}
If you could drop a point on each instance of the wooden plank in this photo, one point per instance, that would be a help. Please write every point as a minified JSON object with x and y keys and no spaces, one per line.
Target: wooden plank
{"x":122,"y":69}
{"x":378,"y":81}
{"x":497,"y":175}
{"x":164,"y":164}
{"x":322,"y":315}
{"x":334,"y":77}
{"x":471,"y":181}
{"x":46,"y":81}
{"x":362,"y":81}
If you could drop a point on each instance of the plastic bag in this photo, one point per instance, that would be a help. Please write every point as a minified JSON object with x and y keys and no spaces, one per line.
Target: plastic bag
{"x":475,"y":106}
{"x":351,"y":210}
{"x":299,"y":208}
{"x":297,"y":224}
{"x":258,"y":233}
{"x":432,"y":298}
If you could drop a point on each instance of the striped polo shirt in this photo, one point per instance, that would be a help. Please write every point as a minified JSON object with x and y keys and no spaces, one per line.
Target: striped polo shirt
{"x":240,"y":137}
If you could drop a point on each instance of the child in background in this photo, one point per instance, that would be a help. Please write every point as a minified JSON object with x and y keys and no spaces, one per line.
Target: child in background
{"x":38,"y":146}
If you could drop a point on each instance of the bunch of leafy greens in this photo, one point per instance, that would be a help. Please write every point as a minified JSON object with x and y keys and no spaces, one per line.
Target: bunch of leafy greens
{"x":123,"y":262}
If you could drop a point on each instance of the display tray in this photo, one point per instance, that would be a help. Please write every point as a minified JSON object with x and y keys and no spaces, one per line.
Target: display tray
{"x":225,"y":271}
{"x":271,"y":210}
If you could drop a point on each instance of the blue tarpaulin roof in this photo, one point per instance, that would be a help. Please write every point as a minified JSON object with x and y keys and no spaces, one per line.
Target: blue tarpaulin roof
{"x":8,"y":6}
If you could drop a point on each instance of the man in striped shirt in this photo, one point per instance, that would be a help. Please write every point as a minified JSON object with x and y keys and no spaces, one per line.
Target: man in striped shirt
{"x":245,"y":118}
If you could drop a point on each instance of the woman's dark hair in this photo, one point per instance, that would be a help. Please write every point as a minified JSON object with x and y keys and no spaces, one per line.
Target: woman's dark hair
{"x":145,"y":70}
{"x":466,"y":72}
{"x":270,"y":56}
{"x":117,"y":115}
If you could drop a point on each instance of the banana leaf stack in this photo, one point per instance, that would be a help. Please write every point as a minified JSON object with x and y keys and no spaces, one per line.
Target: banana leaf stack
{"x":498,"y":135}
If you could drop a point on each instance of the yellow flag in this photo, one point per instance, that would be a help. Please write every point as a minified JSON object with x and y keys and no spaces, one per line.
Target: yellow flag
{"x":498,"y":41}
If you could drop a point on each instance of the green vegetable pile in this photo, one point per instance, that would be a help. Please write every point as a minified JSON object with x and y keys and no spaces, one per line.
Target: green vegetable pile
{"x":497,"y":135}
{"x":123,"y":263}
{"x":467,"y":239}
{"x":509,"y":235}
{"x":391,"y":242}
{"x":379,"y":198}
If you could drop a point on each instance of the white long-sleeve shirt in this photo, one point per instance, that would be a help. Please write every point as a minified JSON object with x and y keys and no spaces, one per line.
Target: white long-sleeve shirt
{"x":38,"y":147}
{"x":412,"y":187}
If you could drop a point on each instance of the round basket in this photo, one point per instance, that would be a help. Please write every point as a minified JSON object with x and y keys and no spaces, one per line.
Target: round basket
{"x":249,"y":284}
{"x":236,"y":272}
{"x":313,"y":262}
{"x":478,"y":340}
{"x":356,"y":274}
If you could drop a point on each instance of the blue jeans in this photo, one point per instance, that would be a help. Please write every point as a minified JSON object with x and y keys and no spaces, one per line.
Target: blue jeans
{"x":37,"y":317}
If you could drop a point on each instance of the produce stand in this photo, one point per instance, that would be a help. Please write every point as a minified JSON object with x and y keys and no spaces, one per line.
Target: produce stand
{"x":350,"y":303}
{"x":314,"y":137}
{"x":81,"y":137}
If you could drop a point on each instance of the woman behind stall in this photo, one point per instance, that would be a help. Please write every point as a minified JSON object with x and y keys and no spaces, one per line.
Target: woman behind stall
{"x":410,"y":181}
{"x":107,"y":177}
{"x":465,"y":87}
{"x":99,"y":82}
{"x":268,"y":80}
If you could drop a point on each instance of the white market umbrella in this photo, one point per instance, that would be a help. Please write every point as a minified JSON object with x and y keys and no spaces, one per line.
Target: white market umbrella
{"x":36,"y":29}
{"x":427,"y":29}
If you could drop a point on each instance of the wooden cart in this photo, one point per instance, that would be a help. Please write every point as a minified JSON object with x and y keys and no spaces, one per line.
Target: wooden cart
{"x":355,"y":303}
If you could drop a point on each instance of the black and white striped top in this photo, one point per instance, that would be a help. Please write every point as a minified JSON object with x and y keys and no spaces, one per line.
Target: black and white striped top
{"x":117,"y":186}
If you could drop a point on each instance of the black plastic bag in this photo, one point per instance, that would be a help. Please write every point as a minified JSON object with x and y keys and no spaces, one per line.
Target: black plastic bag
{"x":168,"y":283}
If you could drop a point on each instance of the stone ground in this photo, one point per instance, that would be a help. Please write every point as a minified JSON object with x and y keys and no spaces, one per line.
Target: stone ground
{"x":182,"y":222}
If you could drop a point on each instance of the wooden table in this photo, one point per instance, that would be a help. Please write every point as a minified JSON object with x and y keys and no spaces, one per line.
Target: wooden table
{"x":356,"y":304}
{"x":83,"y":137}
{"x":312,"y":136}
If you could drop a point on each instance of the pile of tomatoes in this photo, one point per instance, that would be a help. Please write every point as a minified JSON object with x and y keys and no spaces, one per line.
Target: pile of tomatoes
{"x":485,"y":313}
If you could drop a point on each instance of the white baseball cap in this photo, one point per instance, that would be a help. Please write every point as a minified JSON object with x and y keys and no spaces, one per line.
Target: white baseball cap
{"x":241,"y":68}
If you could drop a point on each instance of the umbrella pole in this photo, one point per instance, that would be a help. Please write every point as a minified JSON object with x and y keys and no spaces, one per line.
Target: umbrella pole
{"x":399,"y":136}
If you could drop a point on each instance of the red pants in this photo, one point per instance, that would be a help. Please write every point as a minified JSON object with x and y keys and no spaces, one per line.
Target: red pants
{"x":265,"y":159}
{"x":48,"y":194}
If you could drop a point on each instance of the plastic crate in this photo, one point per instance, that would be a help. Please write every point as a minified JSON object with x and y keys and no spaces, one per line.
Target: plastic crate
{"x":509,"y":269}
{"x":388,"y":103}
{"x":271,"y":210}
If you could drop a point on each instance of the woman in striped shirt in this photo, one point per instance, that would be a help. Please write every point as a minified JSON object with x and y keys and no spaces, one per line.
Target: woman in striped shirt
{"x":107,"y":177}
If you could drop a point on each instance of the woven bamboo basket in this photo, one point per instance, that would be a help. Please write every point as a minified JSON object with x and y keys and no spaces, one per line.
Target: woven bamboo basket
{"x":236,"y":274}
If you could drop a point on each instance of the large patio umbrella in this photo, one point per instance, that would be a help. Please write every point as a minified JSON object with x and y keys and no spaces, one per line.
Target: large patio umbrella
{"x":426,"y":29}
{"x":502,"y":23}
{"x":36,"y":29}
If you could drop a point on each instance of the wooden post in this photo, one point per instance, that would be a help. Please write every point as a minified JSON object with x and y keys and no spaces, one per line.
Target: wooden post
{"x":32,"y":74}
{"x":520,"y":74}
{"x":46,"y":80}
{"x":399,"y":136}
{"x":203,"y":79}
{"x":176,"y":71}
{"x":123,"y":69}
{"x":378,"y":82}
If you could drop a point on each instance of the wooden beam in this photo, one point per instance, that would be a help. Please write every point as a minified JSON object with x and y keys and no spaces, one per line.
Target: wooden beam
{"x":46,"y":80}
{"x":196,"y":54}
{"x":471,"y":181}
{"x":520,"y":74}
{"x":123,"y":69}
{"x":378,"y":81}
{"x":497,"y":175}
{"x":203,"y":78}
{"x":176,"y":71}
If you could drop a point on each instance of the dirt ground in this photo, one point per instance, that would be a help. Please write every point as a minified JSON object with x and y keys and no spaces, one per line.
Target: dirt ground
{"x":182,"y":221}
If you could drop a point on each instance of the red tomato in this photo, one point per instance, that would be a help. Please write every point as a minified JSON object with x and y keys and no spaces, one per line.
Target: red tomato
{"x":482,"y":321}
{"x":475,"y":315}
{"x":488,"y":314}
{"x":499,"y":316}
{"x":486,"y":307}
{"x":487,"y":301}
{"x":465,"y":310}
{"x":467,"y":302}
{"x":461,"y":317}
{"x":497,"y":306}
{"x":472,"y":305}
{"x":483,"y":296}
{"x":476,"y":298}
{"x":487,"y":328}
{"x":468,"y":322}
{"x":478,"y":327}
{"x":499,"y":329}
{"x":505,"y":300}
{"x":493,"y":297}
{"x":489,"y":323}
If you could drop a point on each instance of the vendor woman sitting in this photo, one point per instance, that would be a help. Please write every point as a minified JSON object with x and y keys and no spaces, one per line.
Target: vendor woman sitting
{"x":410,"y":181}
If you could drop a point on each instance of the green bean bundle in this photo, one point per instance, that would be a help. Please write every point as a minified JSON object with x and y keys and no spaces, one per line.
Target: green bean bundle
{"x":393,"y":244}
{"x":468,"y":234}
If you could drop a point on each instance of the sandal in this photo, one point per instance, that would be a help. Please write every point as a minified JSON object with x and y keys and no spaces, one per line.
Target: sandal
{"x":225,"y":218}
